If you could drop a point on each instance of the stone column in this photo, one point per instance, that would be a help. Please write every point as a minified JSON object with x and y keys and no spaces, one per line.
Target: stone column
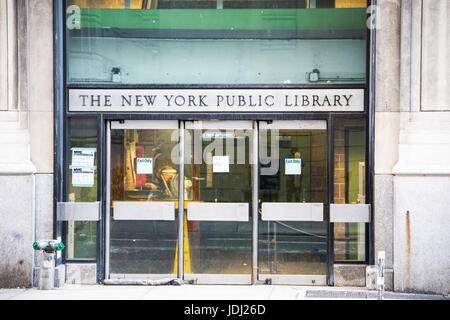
{"x":26,"y":135}
{"x":41,"y":106}
{"x":17,"y":179}
{"x":387,"y":122}
{"x":422,"y":173}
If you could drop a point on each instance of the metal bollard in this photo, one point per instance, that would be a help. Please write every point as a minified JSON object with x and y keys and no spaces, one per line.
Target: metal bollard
{"x":371,"y":277}
{"x":47,"y":274}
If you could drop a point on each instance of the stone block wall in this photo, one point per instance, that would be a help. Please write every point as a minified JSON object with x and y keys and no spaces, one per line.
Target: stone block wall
{"x":26,"y":136}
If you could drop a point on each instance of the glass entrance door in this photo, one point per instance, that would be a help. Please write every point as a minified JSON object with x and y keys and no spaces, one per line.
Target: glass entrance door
{"x":238,"y":221}
{"x":292,"y":231}
{"x":142,"y":230}
{"x":218,"y":166}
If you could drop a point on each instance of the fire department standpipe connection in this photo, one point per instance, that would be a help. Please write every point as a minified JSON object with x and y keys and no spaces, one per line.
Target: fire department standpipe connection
{"x":47,"y":274}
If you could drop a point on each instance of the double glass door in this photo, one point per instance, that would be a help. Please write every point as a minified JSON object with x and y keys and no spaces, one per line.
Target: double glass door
{"x":224,"y":202}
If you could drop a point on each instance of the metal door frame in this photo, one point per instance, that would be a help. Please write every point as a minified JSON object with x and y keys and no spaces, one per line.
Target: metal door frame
{"x":233,"y":125}
{"x":301,"y":279}
{"x":253,"y":125}
{"x":139,"y":124}
{"x":169,"y":124}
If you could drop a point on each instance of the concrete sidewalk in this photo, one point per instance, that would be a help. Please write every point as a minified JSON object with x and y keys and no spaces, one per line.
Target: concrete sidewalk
{"x":205,"y":292}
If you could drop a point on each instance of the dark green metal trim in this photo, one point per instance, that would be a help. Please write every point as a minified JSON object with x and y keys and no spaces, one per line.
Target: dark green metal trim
{"x":218,"y":34}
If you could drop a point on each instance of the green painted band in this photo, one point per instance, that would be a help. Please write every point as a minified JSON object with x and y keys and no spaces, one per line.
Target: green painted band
{"x":226,"y":19}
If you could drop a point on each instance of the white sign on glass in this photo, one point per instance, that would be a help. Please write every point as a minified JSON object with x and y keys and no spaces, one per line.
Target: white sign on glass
{"x":83,"y":176}
{"x":292,"y":166}
{"x":144,"y":165}
{"x":83,"y":157}
{"x":221,"y":164}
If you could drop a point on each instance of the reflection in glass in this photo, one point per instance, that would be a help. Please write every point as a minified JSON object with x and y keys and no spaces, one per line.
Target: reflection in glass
{"x":350,"y":186}
{"x":293,"y":247}
{"x":245,"y":42}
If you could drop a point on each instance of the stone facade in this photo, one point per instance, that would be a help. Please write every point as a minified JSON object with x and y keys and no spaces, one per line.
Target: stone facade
{"x":412,"y":144}
{"x":422,"y":173}
{"x":387,"y":106}
{"x":26,"y":135}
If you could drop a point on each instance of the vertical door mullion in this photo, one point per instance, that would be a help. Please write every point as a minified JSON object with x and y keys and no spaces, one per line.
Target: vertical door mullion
{"x":255,"y":200}
{"x":181,"y":202}
{"x":100,"y":195}
{"x":107,"y":197}
{"x":330,"y":226}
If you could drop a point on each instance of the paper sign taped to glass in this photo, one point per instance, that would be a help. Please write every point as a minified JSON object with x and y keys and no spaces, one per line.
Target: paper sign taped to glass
{"x":144,"y":165}
{"x":83,"y":157}
{"x":293,"y":166}
{"x":83,"y":176}
{"x":221,"y":164}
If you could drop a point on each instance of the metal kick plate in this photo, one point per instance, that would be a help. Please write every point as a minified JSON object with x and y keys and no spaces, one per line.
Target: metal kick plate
{"x":223,"y":279}
{"x":317,"y":280}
